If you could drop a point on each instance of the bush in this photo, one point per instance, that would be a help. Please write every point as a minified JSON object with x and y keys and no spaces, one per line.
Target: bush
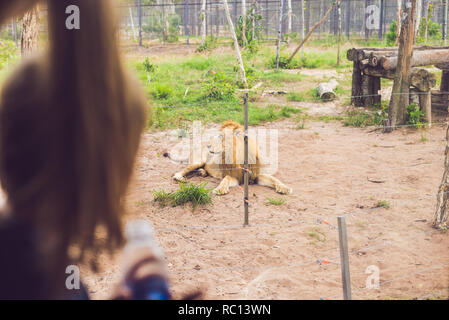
{"x":284,"y":63}
{"x":219,"y":87}
{"x":197,"y":194}
{"x":414,"y":116}
{"x":162,"y":91}
{"x":8,"y":52}
{"x":210,"y":43}
{"x":391,"y":34}
{"x":249,"y":32}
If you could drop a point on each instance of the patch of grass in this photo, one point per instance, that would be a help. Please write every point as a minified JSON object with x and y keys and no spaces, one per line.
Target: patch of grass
{"x":275,"y":201}
{"x":382,"y":204}
{"x":196,"y":194}
{"x":296,"y":96}
{"x":316,"y":234}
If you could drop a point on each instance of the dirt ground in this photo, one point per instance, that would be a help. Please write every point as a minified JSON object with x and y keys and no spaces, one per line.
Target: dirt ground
{"x":333,"y":170}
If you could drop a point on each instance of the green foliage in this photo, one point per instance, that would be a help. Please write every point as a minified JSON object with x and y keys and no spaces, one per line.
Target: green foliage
{"x":252,"y":33}
{"x":8,"y":52}
{"x":148,"y":66}
{"x":284,"y":63}
{"x":433,"y":32}
{"x":391,"y":34}
{"x":219,"y":87}
{"x":196,"y":194}
{"x":162,"y":91}
{"x":414,"y":116}
{"x":361,"y":118}
{"x":156,"y":25}
{"x":275,"y":201}
{"x":210,"y":43}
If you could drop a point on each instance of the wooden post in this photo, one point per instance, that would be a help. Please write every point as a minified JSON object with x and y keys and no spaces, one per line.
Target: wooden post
{"x":425,"y":103}
{"x":301,"y":6}
{"x":441,"y":216}
{"x":266,"y":17}
{"x":356,"y":92}
{"x":401,"y":86}
{"x":344,"y":258}
{"x":139,"y":9}
{"x":278,"y":45}
{"x":245,"y":165}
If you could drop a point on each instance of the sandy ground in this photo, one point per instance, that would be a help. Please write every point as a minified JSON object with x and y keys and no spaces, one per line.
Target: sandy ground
{"x":334,"y":171}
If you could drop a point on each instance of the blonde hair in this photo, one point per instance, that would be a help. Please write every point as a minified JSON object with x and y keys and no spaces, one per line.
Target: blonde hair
{"x":70,"y":126}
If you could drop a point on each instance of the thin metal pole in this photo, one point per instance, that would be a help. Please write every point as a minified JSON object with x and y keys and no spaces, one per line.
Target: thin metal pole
{"x":381,"y":19}
{"x":344,"y":258}
{"x":186,"y":24}
{"x":348,"y":18}
{"x":245,"y":165}
{"x":278,"y":47}
{"x":266,"y":17}
{"x":14,"y":27}
{"x":139,"y":4}
{"x":445,"y":23}
{"x":235,"y":12}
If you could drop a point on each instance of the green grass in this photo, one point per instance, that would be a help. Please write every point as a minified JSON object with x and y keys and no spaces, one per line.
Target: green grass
{"x":382,"y":204}
{"x":275,"y":201}
{"x":196,"y":194}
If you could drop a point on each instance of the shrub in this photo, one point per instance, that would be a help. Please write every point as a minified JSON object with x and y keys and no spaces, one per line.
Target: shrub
{"x":196,"y":194}
{"x":162,"y":91}
{"x":210,"y":43}
{"x":8,"y":52}
{"x":414,"y":116}
{"x":284,"y":63}
{"x":219,"y":87}
{"x":391,"y":34}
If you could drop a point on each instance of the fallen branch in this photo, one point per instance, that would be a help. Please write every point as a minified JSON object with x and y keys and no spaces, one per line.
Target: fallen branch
{"x":313,"y":29}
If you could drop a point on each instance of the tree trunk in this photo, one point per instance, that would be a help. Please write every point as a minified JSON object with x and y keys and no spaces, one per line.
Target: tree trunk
{"x":440,"y":220}
{"x":401,"y":86}
{"x":30,"y":32}
{"x":244,"y":23}
{"x":289,"y":16}
{"x":398,"y":20}
{"x":236,"y":43}
{"x":339,"y":34}
{"x":418,"y":16}
{"x":203,"y":22}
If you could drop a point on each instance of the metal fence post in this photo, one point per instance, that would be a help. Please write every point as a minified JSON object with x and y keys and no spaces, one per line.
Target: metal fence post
{"x":344,"y":258}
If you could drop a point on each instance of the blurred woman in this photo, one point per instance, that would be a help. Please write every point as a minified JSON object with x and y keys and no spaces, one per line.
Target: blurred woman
{"x":70,"y":126}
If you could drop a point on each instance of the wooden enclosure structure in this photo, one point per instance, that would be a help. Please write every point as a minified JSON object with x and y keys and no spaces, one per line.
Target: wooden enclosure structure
{"x":372,"y":64}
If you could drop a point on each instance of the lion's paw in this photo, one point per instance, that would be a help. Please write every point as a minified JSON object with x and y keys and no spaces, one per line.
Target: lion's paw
{"x":179,"y":177}
{"x":202,"y":172}
{"x":221,"y":190}
{"x":283,"y":189}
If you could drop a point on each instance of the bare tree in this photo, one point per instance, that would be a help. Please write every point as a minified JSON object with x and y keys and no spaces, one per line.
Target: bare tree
{"x":289,"y":16}
{"x":244,"y":23}
{"x":30,"y":32}
{"x":398,"y":20}
{"x":418,"y":16}
{"x":401,"y":86}
{"x":203,"y":22}
{"x":440,"y":220}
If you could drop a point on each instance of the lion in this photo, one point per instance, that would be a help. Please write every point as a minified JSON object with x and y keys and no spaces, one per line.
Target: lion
{"x":227,"y":165}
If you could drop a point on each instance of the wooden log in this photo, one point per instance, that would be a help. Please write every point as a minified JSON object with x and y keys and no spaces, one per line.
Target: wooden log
{"x":368,"y":99}
{"x":326,"y":91}
{"x":356,"y":91}
{"x":420,"y":78}
{"x":374,"y":89}
{"x":353,"y":54}
{"x":444,"y":86}
{"x":425,"y":104}
{"x":419,"y":58}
